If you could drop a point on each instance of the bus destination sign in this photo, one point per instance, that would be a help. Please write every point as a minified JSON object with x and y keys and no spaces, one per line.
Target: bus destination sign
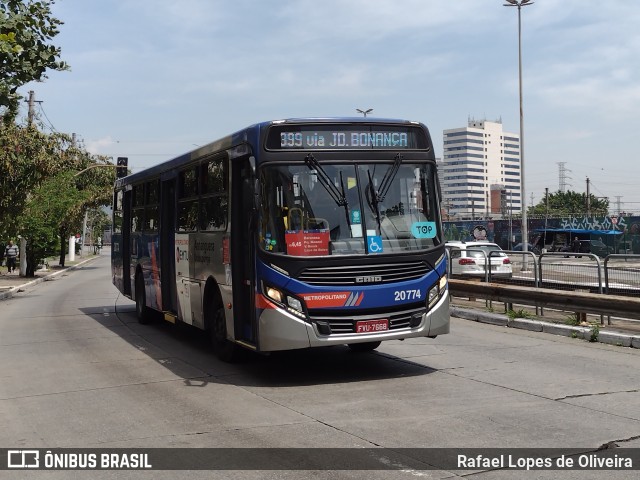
{"x":345,"y":137}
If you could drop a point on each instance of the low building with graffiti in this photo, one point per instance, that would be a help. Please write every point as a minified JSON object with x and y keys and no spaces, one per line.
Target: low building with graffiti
{"x":620,"y":234}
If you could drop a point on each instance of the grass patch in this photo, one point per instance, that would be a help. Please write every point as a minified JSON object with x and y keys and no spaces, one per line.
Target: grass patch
{"x":595,"y":331}
{"x":522,"y":313}
{"x":572,"y":320}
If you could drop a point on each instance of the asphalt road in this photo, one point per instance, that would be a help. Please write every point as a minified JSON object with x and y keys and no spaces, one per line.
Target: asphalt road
{"x":78,"y":371}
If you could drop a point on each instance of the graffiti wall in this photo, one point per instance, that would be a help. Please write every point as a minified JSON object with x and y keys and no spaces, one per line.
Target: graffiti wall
{"x":508,"y":233}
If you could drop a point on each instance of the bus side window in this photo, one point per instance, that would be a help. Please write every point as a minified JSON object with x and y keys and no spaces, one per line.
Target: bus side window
{"x":188,"y":210}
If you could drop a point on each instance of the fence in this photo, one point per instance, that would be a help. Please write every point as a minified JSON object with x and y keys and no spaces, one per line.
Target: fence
{"x":565,"y":271}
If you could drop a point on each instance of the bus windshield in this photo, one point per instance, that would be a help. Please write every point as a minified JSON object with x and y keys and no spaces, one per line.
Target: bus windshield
{"x":317,"y":209}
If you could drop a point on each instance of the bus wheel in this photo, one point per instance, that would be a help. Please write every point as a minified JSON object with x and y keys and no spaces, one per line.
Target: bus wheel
{"x":225,"y":350}
{"x":364,"y":347}
{"x":142,"y":311}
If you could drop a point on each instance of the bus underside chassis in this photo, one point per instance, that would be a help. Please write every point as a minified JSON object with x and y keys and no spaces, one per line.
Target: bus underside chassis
{"x":364,"y":347}
{"x":216,"y":325}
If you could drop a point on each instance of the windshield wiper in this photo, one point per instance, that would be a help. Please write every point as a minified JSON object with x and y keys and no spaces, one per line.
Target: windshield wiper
{"x":374,"y":199}
{"x":325,"y":181}
{"x":336,"y":195}
{"x":377,"y":196}
{"x":387,"y":180}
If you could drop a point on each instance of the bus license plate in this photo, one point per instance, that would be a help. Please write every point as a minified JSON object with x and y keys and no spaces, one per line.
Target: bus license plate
{"x":370,"y":326}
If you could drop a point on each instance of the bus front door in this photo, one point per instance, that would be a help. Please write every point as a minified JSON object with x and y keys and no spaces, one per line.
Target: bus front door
{"x":168,"y":246}
{"x":242,"y":254}
{"x":125,"y":243}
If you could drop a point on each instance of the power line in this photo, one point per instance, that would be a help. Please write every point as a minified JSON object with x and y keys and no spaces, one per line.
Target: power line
{"x":45,"y":116}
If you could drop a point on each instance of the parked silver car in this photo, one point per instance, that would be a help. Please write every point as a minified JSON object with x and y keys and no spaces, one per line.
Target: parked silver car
{"x":471,"y":259}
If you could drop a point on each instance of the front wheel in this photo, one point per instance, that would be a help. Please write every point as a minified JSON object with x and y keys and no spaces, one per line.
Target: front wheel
{"x":225,"y":350}
{"x":364,"y":347}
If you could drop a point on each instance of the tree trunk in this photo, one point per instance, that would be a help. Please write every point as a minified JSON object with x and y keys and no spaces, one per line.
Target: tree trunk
{"x":31,"y":262}
{"x":63,"y":244}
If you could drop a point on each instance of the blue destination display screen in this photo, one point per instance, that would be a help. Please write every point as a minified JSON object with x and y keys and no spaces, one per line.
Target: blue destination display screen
{"x":345,"y":137}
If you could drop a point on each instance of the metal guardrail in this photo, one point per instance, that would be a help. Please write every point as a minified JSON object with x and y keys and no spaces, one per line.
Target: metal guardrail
{"x":617,"y":305}
{"x":563,"y":271}
{"x":568,"y":273}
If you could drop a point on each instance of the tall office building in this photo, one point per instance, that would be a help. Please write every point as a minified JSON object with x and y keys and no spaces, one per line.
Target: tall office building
{"x":480,"y":171}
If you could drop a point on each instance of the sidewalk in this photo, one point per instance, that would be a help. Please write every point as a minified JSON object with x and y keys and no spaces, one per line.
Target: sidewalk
{"x":12,"y":283}
{"x":621,"y":332}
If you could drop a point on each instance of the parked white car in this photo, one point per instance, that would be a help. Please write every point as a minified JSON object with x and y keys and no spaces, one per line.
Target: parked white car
{"x":471,"y":259}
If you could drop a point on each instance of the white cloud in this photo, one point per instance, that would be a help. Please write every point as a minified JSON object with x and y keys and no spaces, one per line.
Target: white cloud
{"x":100,"y":146}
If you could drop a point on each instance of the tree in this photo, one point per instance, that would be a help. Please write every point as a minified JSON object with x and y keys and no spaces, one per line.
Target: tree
{"x":26,"y":28}
{"x":50,"y":202}
{"x":95,"y":184}
{"x":564,"y":204}
{"x":47,"y":184}
{"x":56,"y":209}
{"x":27,"y":157}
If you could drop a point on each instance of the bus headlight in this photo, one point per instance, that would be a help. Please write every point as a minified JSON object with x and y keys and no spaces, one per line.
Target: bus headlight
{"x":442,"y":284}
{"x":433,"y":295}
{"x":274,"y":294}
{"x":295,"y":303}
{"x":437,"y":291}
{"x":286,"y":301}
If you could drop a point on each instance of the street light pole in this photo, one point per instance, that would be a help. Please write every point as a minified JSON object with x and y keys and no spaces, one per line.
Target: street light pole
{"x":523,"y":203}
{"x":364,"y":112}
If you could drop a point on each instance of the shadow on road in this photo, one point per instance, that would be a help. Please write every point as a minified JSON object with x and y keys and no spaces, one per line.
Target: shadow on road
{"x":188,"y":345}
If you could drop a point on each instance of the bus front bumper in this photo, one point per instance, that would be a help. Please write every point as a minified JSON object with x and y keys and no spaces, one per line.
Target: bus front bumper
{"x":280,"y":330}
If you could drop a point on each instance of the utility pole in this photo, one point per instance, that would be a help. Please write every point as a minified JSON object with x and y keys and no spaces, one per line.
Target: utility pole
{"x":546,"y":216}
{"x":588,"y":199}
{"x":32,"y":101}
{"x":510,"y":221}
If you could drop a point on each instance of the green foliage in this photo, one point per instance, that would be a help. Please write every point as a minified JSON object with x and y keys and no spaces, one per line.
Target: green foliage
{"x":522,"y":313}
{"x":47,"y":185}
{"x":562,"y":204}
{"x":595,"y":331}
{"x":51,"y":201}
{"x":26,"y":28}
{"x":27,"y":157}
{"x":572,"y":320}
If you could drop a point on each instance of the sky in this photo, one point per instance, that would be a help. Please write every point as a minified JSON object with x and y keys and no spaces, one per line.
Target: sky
{"x":152,"y":79}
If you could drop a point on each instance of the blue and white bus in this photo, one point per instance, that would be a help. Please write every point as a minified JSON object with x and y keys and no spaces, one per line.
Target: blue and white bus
{"x":289,"y":234}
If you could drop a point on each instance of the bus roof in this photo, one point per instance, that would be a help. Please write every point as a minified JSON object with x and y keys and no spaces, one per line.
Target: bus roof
{"x":250,"y":134}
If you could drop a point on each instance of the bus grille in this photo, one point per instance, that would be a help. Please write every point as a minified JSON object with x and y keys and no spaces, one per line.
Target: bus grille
{"x":344,"y":321}
{"x":364,"y":274}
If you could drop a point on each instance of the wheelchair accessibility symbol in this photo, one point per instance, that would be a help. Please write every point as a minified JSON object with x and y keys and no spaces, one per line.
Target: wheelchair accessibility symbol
{"x":375,"y":244}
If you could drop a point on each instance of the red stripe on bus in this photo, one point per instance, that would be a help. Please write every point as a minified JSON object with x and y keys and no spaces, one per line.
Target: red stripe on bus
{"x":263,"y":302}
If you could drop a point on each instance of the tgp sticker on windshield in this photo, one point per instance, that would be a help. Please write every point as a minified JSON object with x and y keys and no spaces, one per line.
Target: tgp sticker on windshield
{"x":423,"y":229}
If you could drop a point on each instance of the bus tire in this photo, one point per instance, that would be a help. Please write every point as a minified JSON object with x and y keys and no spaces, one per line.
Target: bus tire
{"x":224,"y":349}
{"x":142,"y":311}
{"x":364,"y":347}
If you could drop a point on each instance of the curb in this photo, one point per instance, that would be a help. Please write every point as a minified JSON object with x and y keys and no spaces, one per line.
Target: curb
{"x":13,"y":290}
{"x":609,"y":338}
